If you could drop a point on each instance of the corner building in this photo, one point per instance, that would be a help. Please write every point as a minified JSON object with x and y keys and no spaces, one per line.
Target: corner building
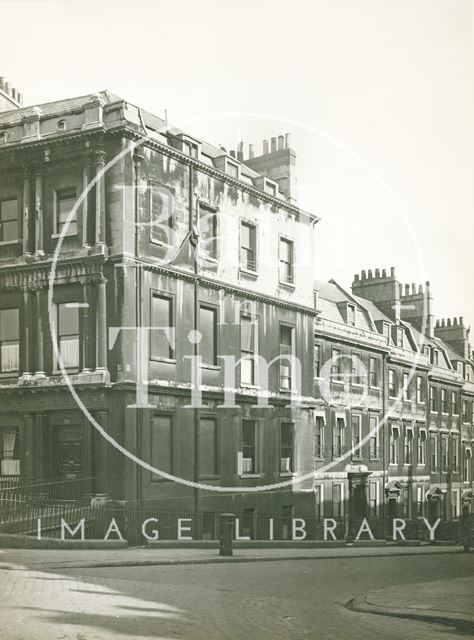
{"x":177,"y":263}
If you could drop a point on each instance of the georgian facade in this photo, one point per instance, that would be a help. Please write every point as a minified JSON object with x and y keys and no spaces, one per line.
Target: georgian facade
{"x":154,"y":264}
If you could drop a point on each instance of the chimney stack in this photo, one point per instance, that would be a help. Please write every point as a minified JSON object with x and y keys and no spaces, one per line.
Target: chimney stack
{"x":10,"y":97}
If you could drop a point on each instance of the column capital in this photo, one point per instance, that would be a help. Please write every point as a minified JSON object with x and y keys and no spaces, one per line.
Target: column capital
{"x":97,"y":157}
{"x":138,"y":155}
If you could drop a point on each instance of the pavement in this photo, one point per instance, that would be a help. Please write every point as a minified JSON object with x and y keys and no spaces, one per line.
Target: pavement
{"x":274,"y":600}
{"x":19,"y":559}
{"x":437,"y":601}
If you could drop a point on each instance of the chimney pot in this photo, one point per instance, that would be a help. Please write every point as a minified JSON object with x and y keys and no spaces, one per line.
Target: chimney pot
{"x":455,"y":322}
{"x":392,"y":272}
{"x":413,"y":288}
{"x":364,"y":276}
{"x":240,"y":151}
{"x":265,"y":147}
{"x":420,"y":288}
{"x":427,"y":285}
{"x":448,"y":324}
{"x":232,"y":153}
{"x":369,"y":275}
{"x":281,"y":142}
{"x":20,"y":98}
{"x":461,"y":320}
{"x":251,"y":152}
{"x":407,"y":289}
{"x":443,"y":324}
{"x":356,"y":277}
{"x":384,"y":273}
{"x":274,"y":144}
{"x":377,"y":273}
{"x":287,"y":140}
{"x":437,"y":323}
{"x":7,"y":88}
{"x":2,"y":83}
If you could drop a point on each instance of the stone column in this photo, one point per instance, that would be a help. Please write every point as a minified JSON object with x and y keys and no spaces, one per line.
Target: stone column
{"x":86,"y":368}
{"x":101,"y":449}
{"x":99,"y":163}
{"x":27,"y":335}
{"x":39,"y":213}
{"x":40,"y":371}
{"x":27,"y":463}
{"x":101,"y":314}
{"x":85,"y":203}
{"x":26,"y":209}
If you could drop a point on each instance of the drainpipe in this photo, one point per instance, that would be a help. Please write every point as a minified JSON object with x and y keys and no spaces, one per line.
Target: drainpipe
{"x":193,"y":222}
{"x":386,"y":426}
{"x":137,"y":158}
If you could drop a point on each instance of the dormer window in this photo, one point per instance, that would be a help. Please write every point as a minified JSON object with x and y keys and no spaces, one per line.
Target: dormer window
{"x":191,"y":149}
{"x":400,"y":337}
{"x":434,"y":357}
{"x":351,"y":315}
{"x":386,"y":330}
{"x":232,"y":169}
{"x":186,"y":144}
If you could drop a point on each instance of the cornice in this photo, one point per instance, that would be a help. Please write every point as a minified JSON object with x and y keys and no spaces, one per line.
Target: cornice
{"x":218,"y":285}
{"x":215,"y":173}
{"x":36,"y":275}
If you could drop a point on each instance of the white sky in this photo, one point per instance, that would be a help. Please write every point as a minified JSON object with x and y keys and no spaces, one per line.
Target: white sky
{"x":366,"y":87}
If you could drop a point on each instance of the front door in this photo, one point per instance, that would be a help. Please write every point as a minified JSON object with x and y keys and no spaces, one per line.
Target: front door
{"x":69,"y":458}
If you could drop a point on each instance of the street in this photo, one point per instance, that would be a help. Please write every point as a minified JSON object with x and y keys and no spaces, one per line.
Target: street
{"x":288,"y":599}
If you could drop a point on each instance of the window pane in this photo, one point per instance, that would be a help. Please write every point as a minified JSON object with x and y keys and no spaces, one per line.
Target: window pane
{"x":9,"y":220}
{"x":207,"y":327}
{"x":68,"y":320}
{"x":247,"y":334}
{"x":208,"y":231}
{"x":66,"y":200}
{"x":9,"y":324}
{"x":286,"y":338}
{"x":286,"y":447}
{"x":207,"y":447}
{"x":162,"y":443}
{"x":8,"y":210}
{"x":248,"y":446}
{"x":161,"y":341}
{"x":161,"y":214}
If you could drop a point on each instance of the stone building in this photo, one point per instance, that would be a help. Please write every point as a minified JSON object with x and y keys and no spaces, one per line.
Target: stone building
{"x":139,"y":264}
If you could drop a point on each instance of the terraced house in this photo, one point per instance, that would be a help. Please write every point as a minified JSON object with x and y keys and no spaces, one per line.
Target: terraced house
{"x":157,"y":301}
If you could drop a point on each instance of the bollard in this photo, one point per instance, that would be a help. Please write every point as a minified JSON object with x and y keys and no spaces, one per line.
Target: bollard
{"x":227,"y":521}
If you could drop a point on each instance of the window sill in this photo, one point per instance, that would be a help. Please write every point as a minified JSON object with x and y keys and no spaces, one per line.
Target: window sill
{"x":357,"y":384}
{"x":248,"y":272}
{"x":244,"y":476}
{"x":248,"y":385}
{"x":55,"y":236}
{"x":165,"y":360}
{"x":375,"y":388}
{"x":5,"y":243}
{"x":288,"y":285}
{"x":288,"y":474}
{"x":210,"y":367}
{"x":338,"y":382}
{"x":374,"y":459}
